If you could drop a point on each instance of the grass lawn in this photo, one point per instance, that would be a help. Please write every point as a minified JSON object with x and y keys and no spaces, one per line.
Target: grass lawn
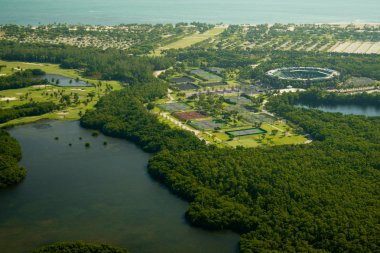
{"x":191,"y":40}
{"x":48,"y":68}
{"x":38,"y":93}
{"x":256,"y":140}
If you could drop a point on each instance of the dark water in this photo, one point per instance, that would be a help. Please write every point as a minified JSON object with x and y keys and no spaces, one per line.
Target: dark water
{"x":108,"y":12}
{"x":348,"y":109}
{"x":98,"y":194}
{"x":64,"y":81}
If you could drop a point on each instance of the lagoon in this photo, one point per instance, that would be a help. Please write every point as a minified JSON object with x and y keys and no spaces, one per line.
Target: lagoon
{"x":370,"y":111}
{"x":98,"y":194}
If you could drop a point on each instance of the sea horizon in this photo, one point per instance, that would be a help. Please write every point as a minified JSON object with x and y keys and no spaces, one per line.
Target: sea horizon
{"x":115,"y":12}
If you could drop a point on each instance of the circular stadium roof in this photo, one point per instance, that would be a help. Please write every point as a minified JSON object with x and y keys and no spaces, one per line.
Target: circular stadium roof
{"x":303,"y":73}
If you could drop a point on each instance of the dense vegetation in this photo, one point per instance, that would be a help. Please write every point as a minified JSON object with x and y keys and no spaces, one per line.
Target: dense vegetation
{"x":10,"y":153}
{"x":136,"y":39}
{"x":122,"y":114}
{"x":103,"y":64}
{"x":22,"y":79}
{"x":78,"y":247}
{"x":317,"y":197}
{"x":226,"y":59}
{"x":319,"y":97}
{"x":30,"y":109}
{"x":287,"y":198}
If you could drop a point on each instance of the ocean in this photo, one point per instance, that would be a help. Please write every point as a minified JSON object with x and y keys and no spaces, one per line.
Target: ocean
{"x":111,"y":12}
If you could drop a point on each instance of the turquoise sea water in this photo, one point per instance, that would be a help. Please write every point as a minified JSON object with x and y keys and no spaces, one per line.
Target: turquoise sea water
{"x":108,"y":12}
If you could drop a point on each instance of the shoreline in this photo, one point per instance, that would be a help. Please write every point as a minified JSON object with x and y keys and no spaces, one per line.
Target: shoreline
{"x":217,"y":24}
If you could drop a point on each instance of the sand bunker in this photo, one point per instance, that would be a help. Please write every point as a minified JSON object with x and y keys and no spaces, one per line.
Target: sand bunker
{"x":62,"y":113}
{"x":8,"y":99}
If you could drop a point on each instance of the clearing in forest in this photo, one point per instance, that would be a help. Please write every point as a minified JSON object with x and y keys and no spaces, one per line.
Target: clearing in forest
{"x":192,"y":39}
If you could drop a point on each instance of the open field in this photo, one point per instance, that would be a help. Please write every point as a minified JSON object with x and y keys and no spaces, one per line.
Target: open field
{"x":191,"y":40}
{"x":276,"y":134}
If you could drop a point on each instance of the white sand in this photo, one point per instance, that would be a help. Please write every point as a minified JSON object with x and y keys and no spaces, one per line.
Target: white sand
{"x":291,"y":90}
{"x":41,"y":86}
{"x":8,"y":98}
{"x":62,"y":113}
{"x":157,"y":73}
{"x":31,"y":63}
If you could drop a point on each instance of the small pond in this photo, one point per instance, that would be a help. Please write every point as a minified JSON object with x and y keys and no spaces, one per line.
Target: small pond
{"x":65,"y":81}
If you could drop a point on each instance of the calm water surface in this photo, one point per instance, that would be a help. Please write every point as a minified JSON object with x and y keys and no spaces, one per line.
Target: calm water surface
{"x":64,"y":81}
{"x":349,"y":109}
{"x":108,"y":12}
{"x":98,"y":194}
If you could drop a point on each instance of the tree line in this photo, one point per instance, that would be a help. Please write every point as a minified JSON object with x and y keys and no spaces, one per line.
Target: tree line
{"x":110,"y":64}
{"x":198,"y":57}
{"x":22,"y":79}
{"x":29,"y":109}
{"x":10,"y":154}
{"x":315,"y":97}
{"x":78,"y":247}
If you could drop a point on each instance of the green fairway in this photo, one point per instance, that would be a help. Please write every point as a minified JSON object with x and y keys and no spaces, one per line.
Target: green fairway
{"x":87,"y":96}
